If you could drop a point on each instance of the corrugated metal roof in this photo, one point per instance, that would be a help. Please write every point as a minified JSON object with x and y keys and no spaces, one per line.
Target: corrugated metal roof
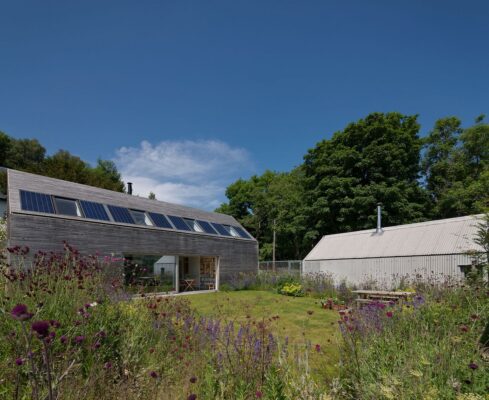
{"x":445,"y":236}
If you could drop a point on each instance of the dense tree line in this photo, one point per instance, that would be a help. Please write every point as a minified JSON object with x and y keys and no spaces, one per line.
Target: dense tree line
{"x":30,"y":156}
{"x":380,"y":158}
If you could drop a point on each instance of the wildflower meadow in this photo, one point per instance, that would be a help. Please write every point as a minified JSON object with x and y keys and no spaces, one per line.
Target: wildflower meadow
{"x":70,"y":330}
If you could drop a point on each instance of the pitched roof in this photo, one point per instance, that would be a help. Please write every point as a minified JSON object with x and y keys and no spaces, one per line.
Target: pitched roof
{"x":445,"y":236}
{"x":18,"y":180}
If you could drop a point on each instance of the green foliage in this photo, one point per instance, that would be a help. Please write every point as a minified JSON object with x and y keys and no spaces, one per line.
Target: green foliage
{"x":30,"y":156}
{"x":373,"y":160}
{"x":292,"y":289}
{"x":456,"y":167}
{"x":267,"y":202}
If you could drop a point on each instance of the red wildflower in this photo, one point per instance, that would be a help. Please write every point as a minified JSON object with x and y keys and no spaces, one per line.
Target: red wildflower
{"x":389,"y":314}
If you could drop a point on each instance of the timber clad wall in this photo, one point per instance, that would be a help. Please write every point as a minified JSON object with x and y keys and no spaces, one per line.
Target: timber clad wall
{"x":47,"y":232}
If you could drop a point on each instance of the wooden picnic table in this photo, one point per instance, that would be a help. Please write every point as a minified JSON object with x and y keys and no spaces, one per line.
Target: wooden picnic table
{"x":381,"y":296}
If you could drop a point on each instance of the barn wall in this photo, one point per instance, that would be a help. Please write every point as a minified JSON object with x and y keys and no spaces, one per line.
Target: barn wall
{"x":387,"y":271}
{"x":48,"y":233}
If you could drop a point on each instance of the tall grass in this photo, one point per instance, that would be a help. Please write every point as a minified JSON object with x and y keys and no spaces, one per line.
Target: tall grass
{"x":427,"y":349}
{"x":67,"y":334}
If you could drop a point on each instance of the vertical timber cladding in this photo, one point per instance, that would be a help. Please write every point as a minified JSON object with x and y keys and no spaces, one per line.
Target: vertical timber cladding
{"x":48,"y":233}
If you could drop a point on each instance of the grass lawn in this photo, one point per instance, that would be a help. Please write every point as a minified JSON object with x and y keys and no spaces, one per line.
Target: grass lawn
{"x":294,"y":322}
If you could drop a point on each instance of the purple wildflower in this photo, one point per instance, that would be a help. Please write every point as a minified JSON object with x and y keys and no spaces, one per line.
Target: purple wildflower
{"x":108,"y":365}
{"x":193,"y":379}
{"x":473,"y":366}
{"x":258,"y":394}
{"x":79,"y":339}
{"x":318,"y":348}
{"x":63,"y":339}
{"x":41,"y":328}
{"x":389,"y":314}
{"x":19,"y":361}
{"x":20,"y":313}
{"x":54,"y":323}
{"x":193,"y":396}
{"x":153,"y":374}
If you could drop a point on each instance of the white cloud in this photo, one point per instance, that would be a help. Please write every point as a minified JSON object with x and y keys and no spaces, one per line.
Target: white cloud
{"x":193,"y":173}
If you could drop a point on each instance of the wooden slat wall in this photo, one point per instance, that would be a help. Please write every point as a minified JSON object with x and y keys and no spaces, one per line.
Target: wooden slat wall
{"x":48,"y":233}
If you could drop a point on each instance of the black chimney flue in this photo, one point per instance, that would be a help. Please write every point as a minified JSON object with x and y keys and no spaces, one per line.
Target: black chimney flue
{"x":129,"y":187}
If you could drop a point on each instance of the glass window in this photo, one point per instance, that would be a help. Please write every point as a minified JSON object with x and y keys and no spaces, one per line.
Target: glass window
{"x":67,"y":207}
{"x":232,"y":231}
{"x":140,"y":217}
{"x":193,"y":224}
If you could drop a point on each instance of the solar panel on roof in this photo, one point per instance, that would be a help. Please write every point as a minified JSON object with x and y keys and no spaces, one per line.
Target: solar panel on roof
{"x":94,"y":210}
{"x":220,"y":229}
{"x":160,"y":220}
{"x":207,"y":227}
{"x":179,"y":223}
{"x":32,"y":201}
{"x":121,"y":214}
{"x":242,"y":232}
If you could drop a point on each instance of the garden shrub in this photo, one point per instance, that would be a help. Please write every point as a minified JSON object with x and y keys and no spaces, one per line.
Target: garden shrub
{"x":291,"y":289}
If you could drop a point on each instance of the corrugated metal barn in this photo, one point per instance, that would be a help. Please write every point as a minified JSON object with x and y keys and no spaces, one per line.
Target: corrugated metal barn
{"x":162,"y":244}
{"x":434,"y":250}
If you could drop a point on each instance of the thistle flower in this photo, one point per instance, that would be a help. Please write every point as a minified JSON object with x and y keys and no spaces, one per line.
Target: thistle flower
{"x":389,"y":314}
{"x":54,"y":323}
{"x":41,"y":328}
{"x":20,"y":313}
{"x":193,"y":379}
{"x":473,"y":366}
{"x":79,"y":339}
{"x":108,"y":365}
{"x":153,"y":374}
{"x":19,"y":361}
{"x":63,"y":339}
{"x":318,"y":348}
{"x":192,"y":397}
{"x":258,"y":394}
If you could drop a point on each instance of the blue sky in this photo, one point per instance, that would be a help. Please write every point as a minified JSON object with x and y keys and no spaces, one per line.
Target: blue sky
{"x":188,"y":96}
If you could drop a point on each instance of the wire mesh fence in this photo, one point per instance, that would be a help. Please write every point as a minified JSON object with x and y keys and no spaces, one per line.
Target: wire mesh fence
{"x":285,"y":266}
